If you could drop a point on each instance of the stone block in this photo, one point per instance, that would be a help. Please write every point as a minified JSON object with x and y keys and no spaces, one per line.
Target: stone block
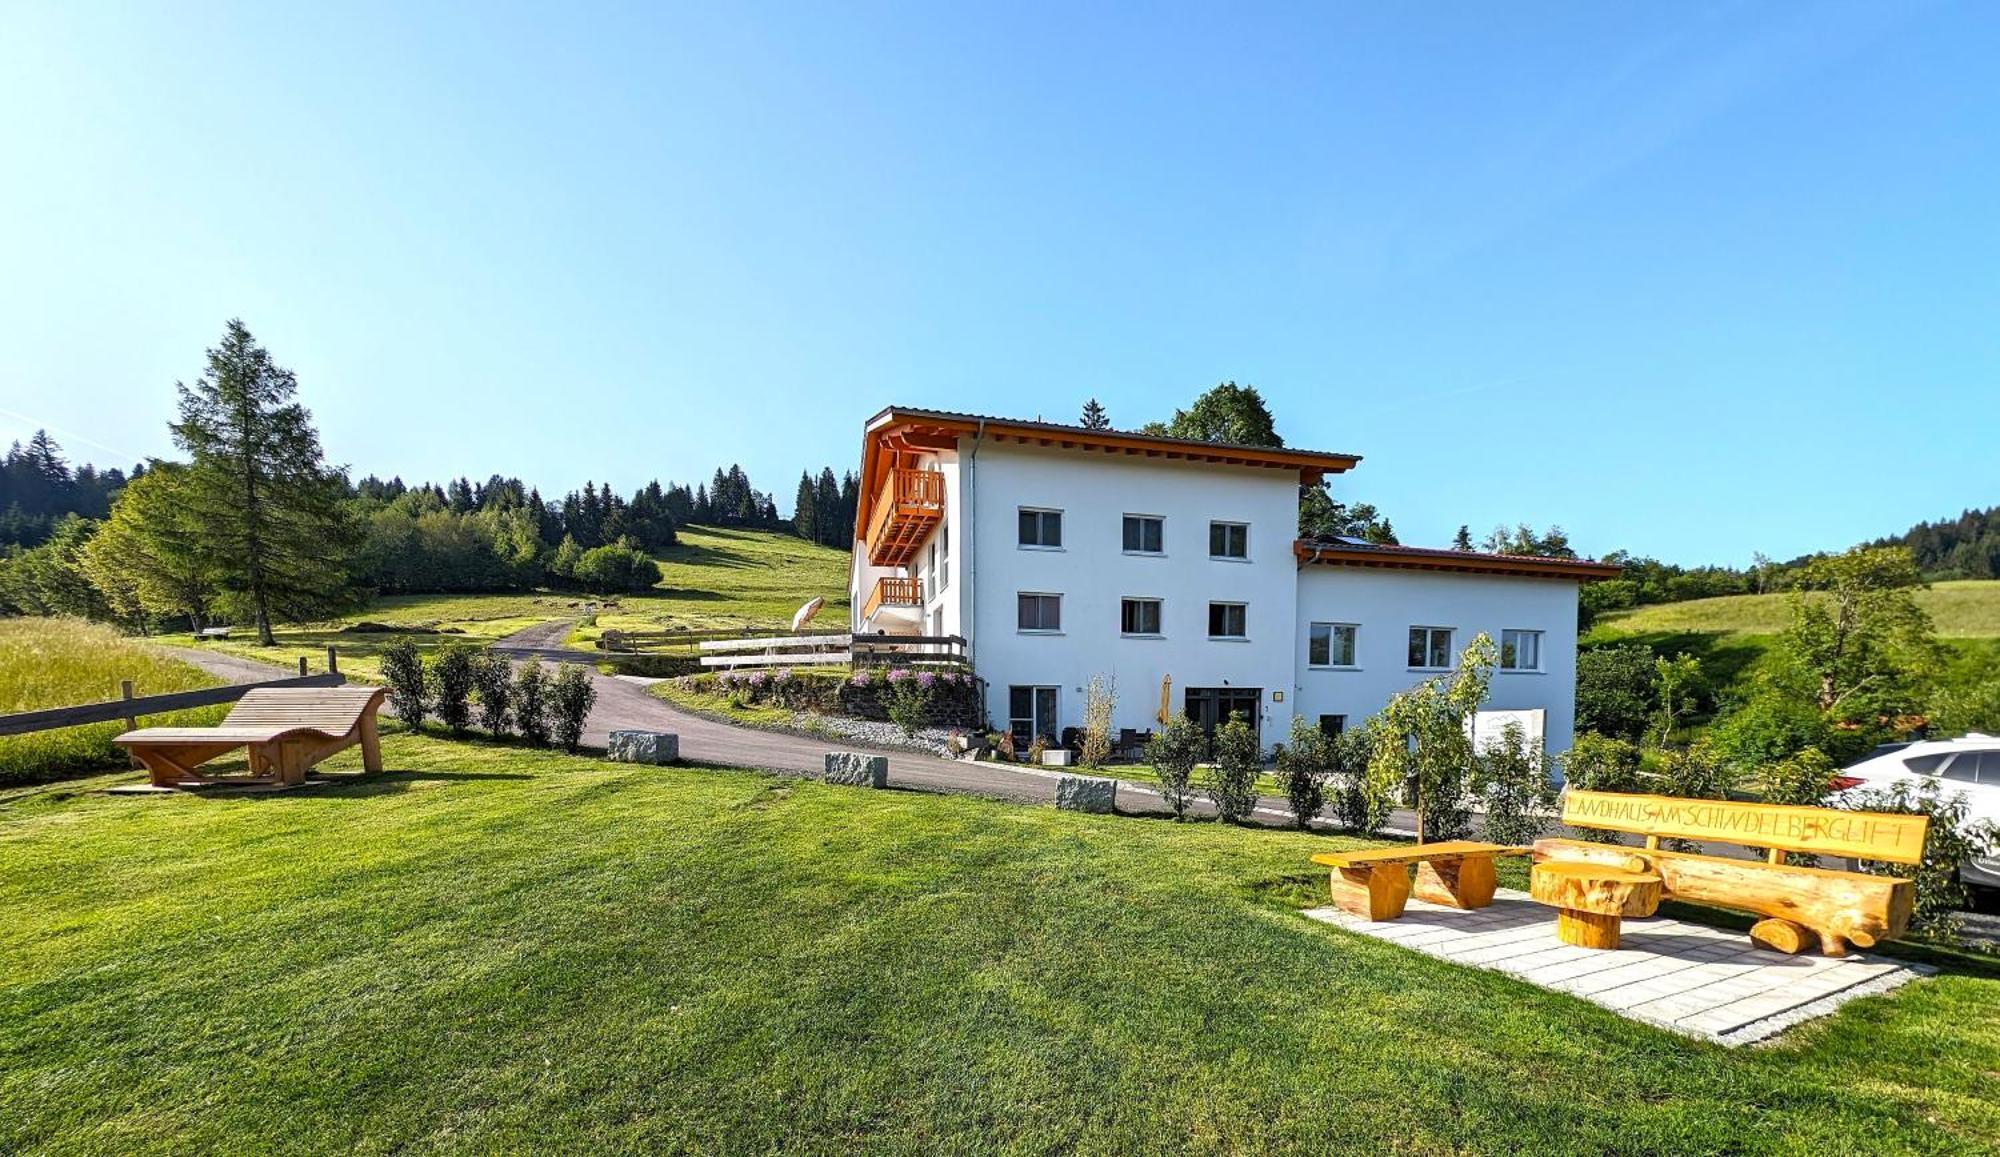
{"x":644,"y":747}
{"x":854,"y":769}
{"x":1058,"y":757}
{"x":1086,"y":793}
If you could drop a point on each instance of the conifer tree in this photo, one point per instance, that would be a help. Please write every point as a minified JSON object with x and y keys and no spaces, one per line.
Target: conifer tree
{"x":1094,"y":417}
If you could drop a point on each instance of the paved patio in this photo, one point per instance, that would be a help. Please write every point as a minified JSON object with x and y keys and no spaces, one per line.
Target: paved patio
{"x":1689,"y":978}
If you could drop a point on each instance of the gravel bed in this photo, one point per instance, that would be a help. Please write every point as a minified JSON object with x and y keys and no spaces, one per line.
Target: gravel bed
{"x":927,"y":741}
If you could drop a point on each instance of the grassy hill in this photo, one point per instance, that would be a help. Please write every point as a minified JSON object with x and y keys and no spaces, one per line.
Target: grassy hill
{"x":494,"y":949}
{"x":1963,"y":609}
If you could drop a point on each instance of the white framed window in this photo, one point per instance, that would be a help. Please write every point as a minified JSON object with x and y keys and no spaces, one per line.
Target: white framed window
{"x":1038,"y":612}
{"x":1430,"y":648}
{"x":1041,"y":529}
{"x":1031,"y":711}
{"x":1520,"y":650}
{"x":1145,"y":534}
{"x":1331,"y":644}
{"x":943,"y":567}
{"x":1229,"y":540}
{"x":1228,"y":620}
{"x":1139,"y":617}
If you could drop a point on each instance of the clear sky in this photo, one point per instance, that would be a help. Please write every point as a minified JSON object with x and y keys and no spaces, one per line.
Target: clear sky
{"x":1688,"y":279}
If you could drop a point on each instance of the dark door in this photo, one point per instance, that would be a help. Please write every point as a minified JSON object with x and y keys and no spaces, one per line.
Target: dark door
{"x":1208,"y":707}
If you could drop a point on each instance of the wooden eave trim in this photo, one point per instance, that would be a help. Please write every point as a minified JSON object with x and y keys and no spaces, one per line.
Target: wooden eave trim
{"x":1578,"y":570}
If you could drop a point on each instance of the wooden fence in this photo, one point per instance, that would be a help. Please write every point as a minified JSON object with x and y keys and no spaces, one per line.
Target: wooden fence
{"x":826,"y":650}
{"x":129,"y":707}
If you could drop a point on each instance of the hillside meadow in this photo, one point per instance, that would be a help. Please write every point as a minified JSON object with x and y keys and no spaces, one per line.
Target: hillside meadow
{"x":495,"y":949}
{"x":1961,"y":610}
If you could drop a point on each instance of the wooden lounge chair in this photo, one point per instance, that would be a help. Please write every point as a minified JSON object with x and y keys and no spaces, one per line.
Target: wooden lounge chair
{"x":287,"y":729}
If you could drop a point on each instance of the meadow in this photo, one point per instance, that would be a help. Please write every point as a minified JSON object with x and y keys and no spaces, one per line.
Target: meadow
{"x":491,"y":948}
{"x":63,"y":662}
{"x":1961,"y":610}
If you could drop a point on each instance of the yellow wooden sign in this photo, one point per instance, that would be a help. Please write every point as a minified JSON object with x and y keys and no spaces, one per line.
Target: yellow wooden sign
{"x":1828,"y":831}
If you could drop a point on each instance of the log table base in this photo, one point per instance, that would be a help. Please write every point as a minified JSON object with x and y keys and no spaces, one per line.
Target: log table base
{"x":1591,"y":900}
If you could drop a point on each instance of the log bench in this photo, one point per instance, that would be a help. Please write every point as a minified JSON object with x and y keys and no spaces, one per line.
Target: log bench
{"x":286,"y":729}
{"x":1375,"y":882}
{"x":1801,"y":905}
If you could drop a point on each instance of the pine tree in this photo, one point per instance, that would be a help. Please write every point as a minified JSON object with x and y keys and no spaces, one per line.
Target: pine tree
{"x":704,"y":510}
{"x":805,"y":509}
{"x":1094,"y":417}
{"x":273,"y":527}
{"x":833,"y":530}
{"x":1463,"y":539}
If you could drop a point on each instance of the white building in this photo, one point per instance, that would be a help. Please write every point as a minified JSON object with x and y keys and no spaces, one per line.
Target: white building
{"x":1174,"y":567}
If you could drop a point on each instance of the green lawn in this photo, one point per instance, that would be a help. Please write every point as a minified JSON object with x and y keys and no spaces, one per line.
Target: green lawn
{"x":491,"y":949}
{"x":1964,"y":609}
{"x":68,"y":662}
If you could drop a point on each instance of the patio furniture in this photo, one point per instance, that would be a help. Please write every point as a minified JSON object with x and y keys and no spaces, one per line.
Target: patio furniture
{"x":1131,"y":744}
{"x":286,"y":729}
{"x":1802,"y":905}
{"x":1591,"y":900}
{"x":1375,"y":882}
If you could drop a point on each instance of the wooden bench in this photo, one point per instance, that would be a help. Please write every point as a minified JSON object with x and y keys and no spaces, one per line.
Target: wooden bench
{"x":212,"y":633}
{"x":1800,"y":905}
{"x":287,"y":731}
{"x":1375,"y":882}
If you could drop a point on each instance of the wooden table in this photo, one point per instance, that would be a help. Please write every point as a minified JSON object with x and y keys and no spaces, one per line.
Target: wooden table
{"x":1591,"y":900}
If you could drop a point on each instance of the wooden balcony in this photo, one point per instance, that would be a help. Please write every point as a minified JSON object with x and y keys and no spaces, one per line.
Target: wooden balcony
{"x":893,"y":592}
{"x":909,"y":507}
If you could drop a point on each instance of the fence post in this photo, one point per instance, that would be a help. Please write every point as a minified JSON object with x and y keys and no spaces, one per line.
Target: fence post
{"x":131,"y":721}
{"x":332,"y":661}
{"x":302,"y":666}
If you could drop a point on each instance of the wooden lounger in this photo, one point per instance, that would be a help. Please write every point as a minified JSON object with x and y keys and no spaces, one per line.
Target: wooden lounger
{"x":287,"y":729}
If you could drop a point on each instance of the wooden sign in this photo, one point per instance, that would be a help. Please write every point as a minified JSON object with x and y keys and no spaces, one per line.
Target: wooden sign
{"x":1827,"y":831}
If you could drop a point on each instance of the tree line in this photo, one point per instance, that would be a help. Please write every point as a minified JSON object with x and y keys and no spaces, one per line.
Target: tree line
{"x":38,"y":488}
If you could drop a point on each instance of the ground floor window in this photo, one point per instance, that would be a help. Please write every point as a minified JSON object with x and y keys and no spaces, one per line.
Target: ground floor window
{"x":1520,"y":650}
{"x":1031,"y":711}
{"x":1332,"y":725}
{"x":1210,"y":707}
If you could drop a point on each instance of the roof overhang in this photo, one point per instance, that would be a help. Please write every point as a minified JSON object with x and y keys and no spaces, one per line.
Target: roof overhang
{"x":1310,"y":552}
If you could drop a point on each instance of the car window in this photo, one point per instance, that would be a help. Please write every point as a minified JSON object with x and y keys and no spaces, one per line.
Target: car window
{"x":1989,"y":769}
{"x":1963,"y":768}
{"x":1926,"y":764}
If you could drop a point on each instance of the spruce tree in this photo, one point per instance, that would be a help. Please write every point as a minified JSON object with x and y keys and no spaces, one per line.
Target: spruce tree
{"x":274,"y":530}
{"x":1463,"y":539}
{"x":1094,"y":417}
{"x":805,"y":509}
{"x":833,"y":529}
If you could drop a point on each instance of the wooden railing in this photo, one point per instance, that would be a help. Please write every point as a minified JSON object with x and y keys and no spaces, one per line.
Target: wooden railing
{"x":909,"y":504}
{"x":893,"y":592}
{"x":130,"y":707}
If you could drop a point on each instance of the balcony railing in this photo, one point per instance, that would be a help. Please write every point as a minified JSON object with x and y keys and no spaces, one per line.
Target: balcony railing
{"x":911,"y":502}
{"x":893,"y":592}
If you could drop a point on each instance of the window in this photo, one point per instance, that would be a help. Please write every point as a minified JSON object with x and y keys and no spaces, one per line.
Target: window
{"x":1227,"y":620}
{"x":1039,"y":612}
{"x":943,"y":566}
{"x":1041,"y":528}
{"x":1520,"y":650}
{"x":1143,"y":534}
{"x":1139,"y":617}
{"x":1228,"y":540}
{"x":1332,"y":725}
{"x":1031,"y":711}
{"x":1430,"y":647}
{"x":1331,"y":645}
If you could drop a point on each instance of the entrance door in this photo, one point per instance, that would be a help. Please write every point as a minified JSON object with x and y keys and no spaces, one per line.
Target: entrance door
{"x":1031,"y":711}
{"x":1209,"y":707}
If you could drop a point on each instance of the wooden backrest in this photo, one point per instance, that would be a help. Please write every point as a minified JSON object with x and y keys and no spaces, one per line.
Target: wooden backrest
{"x":334,"y":710}
{"x":1824,"y":830}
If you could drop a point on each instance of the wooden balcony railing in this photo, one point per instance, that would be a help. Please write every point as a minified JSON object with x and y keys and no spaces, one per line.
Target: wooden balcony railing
{"x":893,"y":592}
{"x":910,"y":504}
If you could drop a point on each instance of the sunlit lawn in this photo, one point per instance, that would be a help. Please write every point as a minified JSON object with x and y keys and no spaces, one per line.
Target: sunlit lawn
{"x":1961,"y":610}
{"x":497,"y":950}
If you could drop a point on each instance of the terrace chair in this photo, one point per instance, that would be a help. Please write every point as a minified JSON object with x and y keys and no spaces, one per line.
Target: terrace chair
{"x":286,"y":729}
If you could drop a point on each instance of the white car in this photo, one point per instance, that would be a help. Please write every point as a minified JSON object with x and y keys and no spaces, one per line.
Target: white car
{"x":1970,"y":765}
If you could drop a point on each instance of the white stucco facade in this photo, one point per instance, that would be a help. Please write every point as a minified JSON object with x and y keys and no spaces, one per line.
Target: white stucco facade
{"x":974,"y":568}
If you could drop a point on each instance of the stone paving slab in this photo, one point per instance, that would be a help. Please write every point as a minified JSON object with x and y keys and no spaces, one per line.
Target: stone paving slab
{"x":1703,"y":982}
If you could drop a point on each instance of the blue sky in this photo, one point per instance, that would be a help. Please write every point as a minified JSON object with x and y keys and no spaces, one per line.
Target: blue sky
{"x":1692,"y":280}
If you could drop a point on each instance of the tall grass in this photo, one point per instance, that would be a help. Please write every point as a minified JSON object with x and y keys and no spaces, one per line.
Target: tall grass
{"x":66,"y":662}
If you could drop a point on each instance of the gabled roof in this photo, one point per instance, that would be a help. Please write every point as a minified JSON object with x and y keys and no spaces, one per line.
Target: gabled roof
{"x":1344,"y":551}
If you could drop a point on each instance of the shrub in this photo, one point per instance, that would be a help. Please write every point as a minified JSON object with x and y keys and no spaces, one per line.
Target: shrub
{"x":493,"y":679}
{"x":531,"y":703}
{"x":1173,"y":751}
{"x":1513,"y":781}
{"x":1688,"y":773}
{"x":451,"y":681}
{"x":1803,"y":779}
{"x":1358,"y":809}
{"x":1100,"y":697}
{"x":1303,"y":765}
{"x":1601,"y":763}
{"x":1949,"y":843}
{"x":908,"y":701}
{"x":1003,"y":743}
{"x":609,"y":569}
{"x":403,"y":671}
{"x":571,"y":697}
{"x":1234,"y":789}
{"x":1768,"y":729}
{"x":1615,"y":690}
{"x":1037,"y":749}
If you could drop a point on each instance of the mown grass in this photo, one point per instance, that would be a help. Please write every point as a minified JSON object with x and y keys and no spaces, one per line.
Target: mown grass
{"x":1965,"y":609}
{"x":492,"y":949}
{"x":68,"y":662}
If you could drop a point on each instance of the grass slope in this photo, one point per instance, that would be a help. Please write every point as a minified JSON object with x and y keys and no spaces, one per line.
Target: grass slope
{"x":66,"y":662}
{"x":1965,"y":609}
{"x":493,"y":949}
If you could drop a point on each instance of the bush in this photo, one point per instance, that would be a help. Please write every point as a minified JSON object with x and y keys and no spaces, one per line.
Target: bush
{"x":1601,"y":763}
{"x":1768,"y":729}
{"x":451,"y":681}
{"x":571,"y":697}
{"x":1804,"y":779}
{"x":1357,"y":809}
{"x":1615,"y":690}
{"x":493,"y":679}
{"x":531,"y":703}
{"x":1173,"y":751}
{"x":1234,"y":789}
{"x":610,"y":569}
{"x":1687,"y":773}
{"x":908,"y":701}
{"x":1513,"y":781}
{"x":1004,"y":744}
{"x":403,"y":671}
{"x":1949,"y":843}
{"x":1100,"y":698}
{"x":1036,"y":749}
{"x":1303,"y":765}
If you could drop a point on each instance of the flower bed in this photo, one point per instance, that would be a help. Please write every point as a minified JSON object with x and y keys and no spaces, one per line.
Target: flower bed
{"x":942,"y":699}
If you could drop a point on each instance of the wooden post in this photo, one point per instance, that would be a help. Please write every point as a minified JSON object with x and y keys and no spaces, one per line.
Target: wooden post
{"x":131,"y":721}
{"x":332,"y":661}
{"x":302,"y":666}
